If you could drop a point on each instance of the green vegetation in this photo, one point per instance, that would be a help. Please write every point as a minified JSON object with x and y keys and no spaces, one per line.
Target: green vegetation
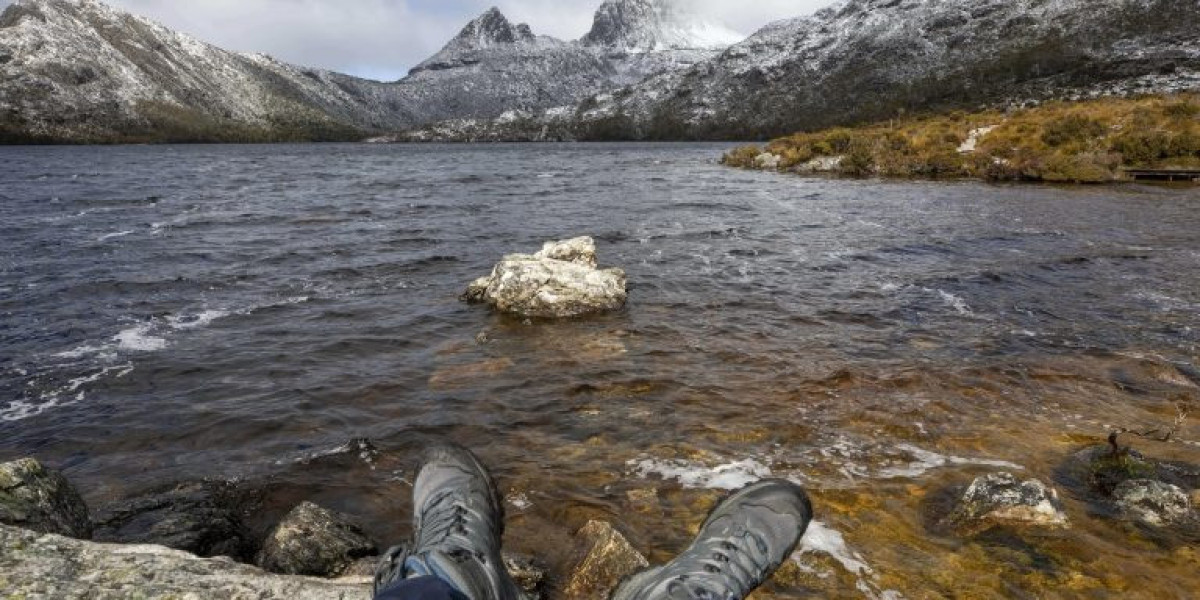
{"x":1083,"y":142}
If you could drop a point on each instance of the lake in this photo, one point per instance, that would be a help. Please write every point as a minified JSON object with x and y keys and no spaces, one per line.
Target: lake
{"x":254,"y":313}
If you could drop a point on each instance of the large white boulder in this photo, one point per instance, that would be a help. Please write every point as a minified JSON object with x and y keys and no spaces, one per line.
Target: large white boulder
{"x":559,"y":281}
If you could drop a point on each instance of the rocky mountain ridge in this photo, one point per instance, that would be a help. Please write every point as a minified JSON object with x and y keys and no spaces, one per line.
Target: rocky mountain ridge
{"x":865,"y":60}
{"x":76,"y":70}
{"x":81,"y":71}
{"x":654,"y":25}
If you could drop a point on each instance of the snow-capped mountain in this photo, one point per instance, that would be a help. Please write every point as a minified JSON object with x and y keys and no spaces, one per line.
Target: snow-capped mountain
{"x":79,"y":70}
{"x":865,"y":60}
{"x":655,"y":26}
{"x":489,"y":31}
{"x":494,"y":67}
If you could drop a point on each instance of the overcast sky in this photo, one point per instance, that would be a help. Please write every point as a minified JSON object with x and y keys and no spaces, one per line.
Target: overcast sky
{"x":382,"y":39}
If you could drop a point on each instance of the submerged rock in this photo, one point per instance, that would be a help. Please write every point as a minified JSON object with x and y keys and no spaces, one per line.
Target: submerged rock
{"x":312,"y":540}
{"x":41,"y":499}
{"x":559,"y":281}
{"x":35,"y":565}
{"x":604,"y":558}
{"x":1152,"y":502}
{"x":529,"y":575}
{"x":1000,"y":498}
{"x":1106,"y":469}
{"x":203,"y":518}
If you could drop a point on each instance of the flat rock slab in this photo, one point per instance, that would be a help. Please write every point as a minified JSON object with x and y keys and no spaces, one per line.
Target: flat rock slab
{"x":41,"y":499}
{"x":36,"y":565}
{"x":559,"y":281}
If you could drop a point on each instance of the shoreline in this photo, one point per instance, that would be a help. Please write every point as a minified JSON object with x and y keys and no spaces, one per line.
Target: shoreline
{"x":1097,"y":141}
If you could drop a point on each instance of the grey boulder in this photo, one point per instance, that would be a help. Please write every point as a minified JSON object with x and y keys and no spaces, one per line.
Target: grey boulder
{"x":36,"y":565}
{"x":40,"y":499}
{"x":1152,"y":502}
{"x":1002,"y":499}
{"x":312,"y":540}
{"x":559,"y":281}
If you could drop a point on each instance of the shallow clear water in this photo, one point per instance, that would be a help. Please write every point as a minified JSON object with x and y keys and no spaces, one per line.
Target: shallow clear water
{"x":172,"y":313}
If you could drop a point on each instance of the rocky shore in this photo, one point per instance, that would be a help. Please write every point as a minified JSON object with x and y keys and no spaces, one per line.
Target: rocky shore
{"x":189,"y":540}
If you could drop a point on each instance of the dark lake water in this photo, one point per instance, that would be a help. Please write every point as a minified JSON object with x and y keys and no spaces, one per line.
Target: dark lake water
{"x":176,"y":313}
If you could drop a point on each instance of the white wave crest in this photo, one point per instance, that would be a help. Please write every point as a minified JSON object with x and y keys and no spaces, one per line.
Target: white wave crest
{"x":692,"y":474}
{"x":110,"y":236}
{"x":924,"y":461}
{"x":138,"y":339}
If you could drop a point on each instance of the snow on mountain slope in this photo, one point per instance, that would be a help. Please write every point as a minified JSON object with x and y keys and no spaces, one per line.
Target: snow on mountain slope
{"x":82,"y":70}
{"x":655,"y":26}
{"x":494,"y":67}
{"x":490,"y":31}
{"x":873,"y":59}
{"x":78,"y":70}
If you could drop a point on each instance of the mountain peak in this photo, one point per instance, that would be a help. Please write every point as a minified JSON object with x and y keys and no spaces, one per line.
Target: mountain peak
{"x":490,"y":29}
{"x":650,"y":25}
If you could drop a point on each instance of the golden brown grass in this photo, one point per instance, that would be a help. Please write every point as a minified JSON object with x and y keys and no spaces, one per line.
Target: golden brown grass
{"x":1084,"y":142}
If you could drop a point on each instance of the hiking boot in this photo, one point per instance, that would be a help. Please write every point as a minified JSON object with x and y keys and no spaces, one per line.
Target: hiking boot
{"x":458,"y":523}
{"x":742,"y":543}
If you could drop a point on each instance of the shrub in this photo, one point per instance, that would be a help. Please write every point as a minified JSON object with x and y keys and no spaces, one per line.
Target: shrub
{"x":1072,"y":128}
{"x":1183,"y":109}
{"x":742,"y":157}
{"x":1080,"y":168}
{"x":859,"y":160}
{"x":1143,"y":147}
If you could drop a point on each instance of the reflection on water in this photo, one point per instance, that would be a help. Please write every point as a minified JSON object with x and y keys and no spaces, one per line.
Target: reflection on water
{"x":175,"y":313}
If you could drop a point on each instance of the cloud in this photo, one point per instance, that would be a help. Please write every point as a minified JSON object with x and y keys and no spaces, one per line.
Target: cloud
{"x":382,"y":39}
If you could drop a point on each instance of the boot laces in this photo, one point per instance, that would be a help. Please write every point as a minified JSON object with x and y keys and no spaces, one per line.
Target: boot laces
{"x":444,"y":525}
{"x":727,"y":569}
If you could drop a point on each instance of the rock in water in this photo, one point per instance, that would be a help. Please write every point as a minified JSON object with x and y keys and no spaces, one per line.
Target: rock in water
{"x":999,"y":498}
{"x":1152,"y":502}
{"x":312,"y":540}
{"x":529,"y":575}
{"x":203,"y":518}
{"x":559,"y":281}
{"x":40,"y":499}
{"x":34,"y":565}
{"x":605,"y":558}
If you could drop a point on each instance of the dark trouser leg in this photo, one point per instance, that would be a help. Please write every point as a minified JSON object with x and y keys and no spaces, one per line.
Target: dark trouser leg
{"x":420,"y":588}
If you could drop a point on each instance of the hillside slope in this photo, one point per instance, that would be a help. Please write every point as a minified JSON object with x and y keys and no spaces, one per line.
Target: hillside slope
{"x":81,"y":71}
{"x":865,"y":60}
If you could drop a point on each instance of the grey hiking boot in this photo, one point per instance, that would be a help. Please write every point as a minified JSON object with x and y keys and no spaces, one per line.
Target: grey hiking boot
{"x":458,"y":522}
{"x":744,"y":541}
